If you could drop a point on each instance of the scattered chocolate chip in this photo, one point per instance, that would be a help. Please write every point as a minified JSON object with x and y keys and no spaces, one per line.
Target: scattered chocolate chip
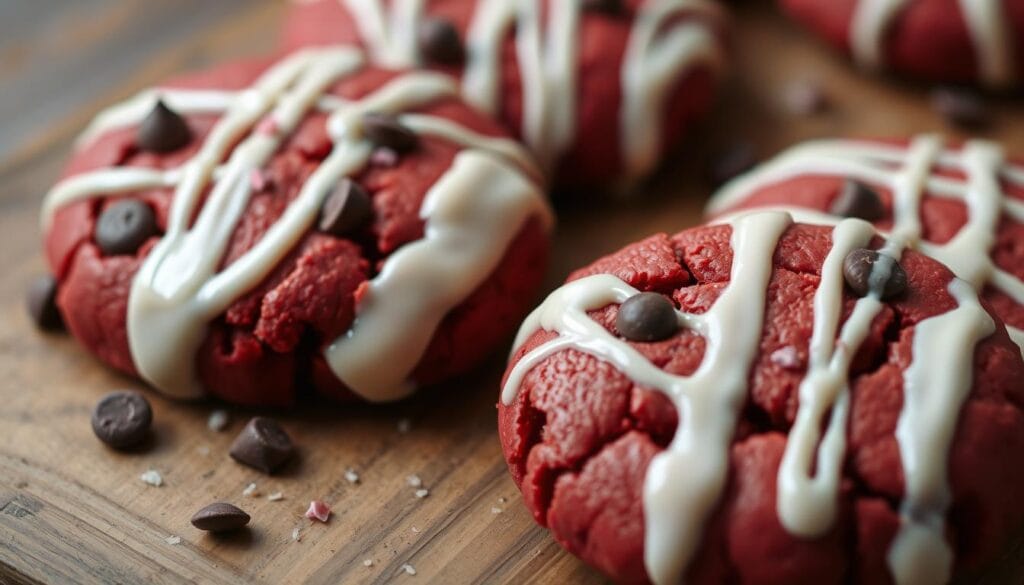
{"x":124,"y":226}
{"x":439,"y":42}
{"x":163,"y":130}
{"x":220,"y":517}
{"x":855,"y":199}
{"x":612,"y":7}
{"x":961,"y":107}
{"x":805,"y":98}
{"x":386,"y":131}
{"x":262,"y":445}
{"x":736,"y":160}
{"x":867,"y":271}
{"x":122,"y":419}
{"x":346,"y":209}
{"x":42,"y":304}
{"x":647,"y":317}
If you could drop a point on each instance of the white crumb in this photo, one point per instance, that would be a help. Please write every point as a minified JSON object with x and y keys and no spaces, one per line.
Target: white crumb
{"x":153,"y":478}
{"x":414,"y":481}
{"x":415,"y":530}
{"x":495,"y":510}
{"x":351,"y":476}
{"x":218,"y":420}
{"x":409,"y":569}
{"x":502,"y":500}
{"x":368,"y":563}
{"x":275,"y":497}
{"x":173,"y":540}
{"x":250,"y":491}
{"x":422,"y":493}
{"x":296,"y":536}
{"x":404,"y":425}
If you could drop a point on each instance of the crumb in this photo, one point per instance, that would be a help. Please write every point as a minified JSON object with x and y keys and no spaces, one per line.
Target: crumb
{"x":153,"y":478}
{"x":368,"y":563}
{"x":414,"y":481}
{"x":415,"y":530}
{"x":421,"y":493}
{"x":404,"y":425}
{"x":218,"y":420}
{"x":495,"y":510}
{"x":351,"y":476}
{"x":250,"y":491}
{"x":318,"y":511}
{"x":296,"y":536}
{"x":203,"y":450}
{"x":409,"y":569}
{"x":172,"y":540}
{"x":502,"y":500}
{"x":275,"y":497}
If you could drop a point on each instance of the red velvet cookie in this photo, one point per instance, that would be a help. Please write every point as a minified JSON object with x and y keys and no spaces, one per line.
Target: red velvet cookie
{"x":598,"y":90}
{"x":824,"y":406}
{"x":935,"y":40}
{"x":963,"y":205}
{"x":307,"y":223}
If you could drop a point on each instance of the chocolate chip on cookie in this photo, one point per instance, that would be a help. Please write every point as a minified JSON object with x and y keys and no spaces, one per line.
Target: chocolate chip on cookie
{"x":163,"y":130}
{"x":386,"y":131}
{"x":346,"y":209}
{"x":439,"y":42}
{"x":855,"y":199}
{"x":122,"y":419}
{"x":262,"y":445}
{"x":647,"y":317}
{"x":867,"y":271}
{"x":41,"y":302}
{"x":124,"y":226}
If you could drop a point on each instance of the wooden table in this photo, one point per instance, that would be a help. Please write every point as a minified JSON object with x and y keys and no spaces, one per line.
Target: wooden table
{"x":73,"y":511}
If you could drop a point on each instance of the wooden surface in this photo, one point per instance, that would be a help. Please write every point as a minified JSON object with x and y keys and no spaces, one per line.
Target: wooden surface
{"x":72,"y":511}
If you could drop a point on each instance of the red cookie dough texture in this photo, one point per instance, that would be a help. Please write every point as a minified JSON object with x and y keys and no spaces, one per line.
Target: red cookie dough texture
{"x":971,"y":207}
{"x":600,"y":95}
{"x":270,"y":340}
{"x":583,"y":428}
{"x":953,"y":41}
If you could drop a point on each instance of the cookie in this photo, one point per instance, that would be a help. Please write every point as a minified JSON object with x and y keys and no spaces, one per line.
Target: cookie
{"x":307,"y":223}
{"x":949,"y":41}
{"x":961,"y":204}
{"x":791,"y":430}
{"x":598,"y":90}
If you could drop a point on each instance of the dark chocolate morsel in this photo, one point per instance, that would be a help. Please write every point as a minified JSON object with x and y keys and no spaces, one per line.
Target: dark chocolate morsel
{"x":439,"y":42}
{"x":163,"y":130}
{"x":647,"y":317}
{"x":122,"y":419}
{"x":220,"y":517}
{"x":42,"y":304}
{"x":386,"y":131}
{"x":346,"y":209}
{"x":867,"y":271}
{"x":961,"y":107}
{"x":124,"y":226}
{"x":262,"y":445}
{"x":613,"y":7}
{"x":855,"y":199}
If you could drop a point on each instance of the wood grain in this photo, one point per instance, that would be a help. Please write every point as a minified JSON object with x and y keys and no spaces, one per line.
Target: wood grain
{"x":73,"y":511}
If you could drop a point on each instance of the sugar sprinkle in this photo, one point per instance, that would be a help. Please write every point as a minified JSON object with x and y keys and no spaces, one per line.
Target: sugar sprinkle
{"x":318,"y":511}
{"x":422,"y":493}
{"x":368,"y":563}
{"x":275,"y":497}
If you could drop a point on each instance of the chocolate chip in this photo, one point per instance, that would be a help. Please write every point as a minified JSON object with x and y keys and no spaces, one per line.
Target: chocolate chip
{"x":386,"y":131}
{"x":220,"y":517}
{"x":346,"y":209}
{"x":42,"y":304}
{"x":163,"y":130}
{"x":612,"y":7}
{"x":736,"y":160}
{"x":439,"y":42}
{"x":855,"y":199}
{"x":124,"y":226}
{"x":961,"y":107}
{"x":122,"y":419}
{"x":867,"y":271}
{"x":262,"y":445}
{"x":647,"y":317}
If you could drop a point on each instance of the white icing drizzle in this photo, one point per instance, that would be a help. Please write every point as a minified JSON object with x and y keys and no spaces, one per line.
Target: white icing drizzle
{"x":986,"y":25}
{"x":684,"y":482}
{"x":547,"y":58}
{"x":178,"y":290}
{"x":967,"y":253}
